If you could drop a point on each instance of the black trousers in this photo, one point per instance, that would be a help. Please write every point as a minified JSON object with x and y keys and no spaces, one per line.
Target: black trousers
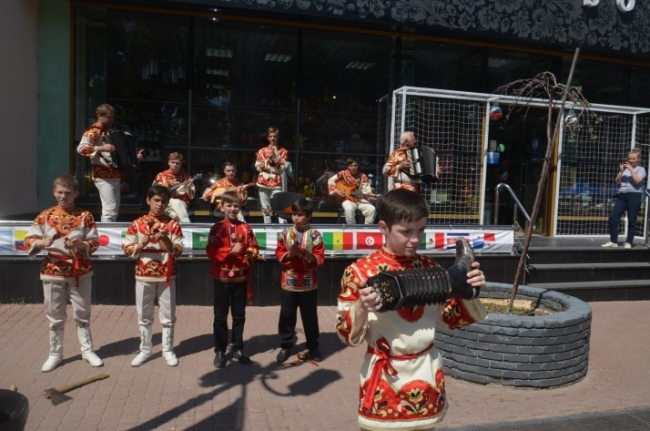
{"x":307,"y":302}
{"x":229,"y":296}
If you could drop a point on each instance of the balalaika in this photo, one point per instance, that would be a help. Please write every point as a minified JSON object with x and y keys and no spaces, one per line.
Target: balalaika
{"x":126,"y":150}
{"x":424,"y":163}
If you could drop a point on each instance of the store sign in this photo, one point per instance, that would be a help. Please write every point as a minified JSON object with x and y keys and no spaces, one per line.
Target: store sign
{"x":623,"y":5}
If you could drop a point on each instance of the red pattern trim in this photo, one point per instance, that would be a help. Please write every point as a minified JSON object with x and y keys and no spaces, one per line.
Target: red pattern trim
{"x":383,"y":363}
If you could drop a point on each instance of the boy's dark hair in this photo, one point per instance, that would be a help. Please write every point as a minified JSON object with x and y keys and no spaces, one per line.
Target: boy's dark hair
{"x":161,"y":191}
{"x":303,"y":204}
{"x":401,"y":205}
{"x":231,"y":197}
{"x":67,"y":181}
{"x":350,"y":161}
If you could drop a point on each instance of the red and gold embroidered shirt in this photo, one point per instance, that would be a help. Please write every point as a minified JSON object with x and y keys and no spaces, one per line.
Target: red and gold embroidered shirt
{"x":401,"y":178}
{"x":176,"y":183}
{"x":413,"y":396}
{"x":60,"y":223}
{"x":154,"y":262}
{"x":352,"y":183}
{"x":226,"y":266}
{"x":270,"y":168}
{"x":93,"y":137}
{"x":297,"y":274}
{"x":225,"y":184}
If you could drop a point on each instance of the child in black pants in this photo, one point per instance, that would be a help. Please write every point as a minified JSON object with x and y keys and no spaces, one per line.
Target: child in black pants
{"x":300,"y":251}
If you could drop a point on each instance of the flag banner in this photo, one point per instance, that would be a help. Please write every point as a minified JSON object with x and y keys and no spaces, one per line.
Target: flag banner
{"x":19,"y":239}
{"x":6,"y":240}
{"x":339,"y":241}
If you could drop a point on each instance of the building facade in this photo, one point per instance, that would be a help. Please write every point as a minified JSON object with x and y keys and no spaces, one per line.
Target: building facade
{"x":206,"y":78}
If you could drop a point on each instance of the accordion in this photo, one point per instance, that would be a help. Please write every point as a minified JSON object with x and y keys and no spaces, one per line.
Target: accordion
{"x":424,"y":163}
{"x":126,"y":150}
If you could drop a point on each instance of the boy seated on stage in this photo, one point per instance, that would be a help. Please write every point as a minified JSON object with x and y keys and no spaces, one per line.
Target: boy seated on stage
{"x":69,"y":236}
{"x":155,"y":241}
{"x":232,"y":248}
{"x":402,"y":380}
{"x":181,"y":186}
{"x":300,"y":251}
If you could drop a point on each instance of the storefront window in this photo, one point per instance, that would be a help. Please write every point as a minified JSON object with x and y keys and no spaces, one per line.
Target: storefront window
{"x":605,"y":83}
{"x":438,"y":65}
{"x":504,"y":67}
{"x":344,"y":76}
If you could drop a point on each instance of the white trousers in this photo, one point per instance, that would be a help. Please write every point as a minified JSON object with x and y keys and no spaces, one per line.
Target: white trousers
{"x":266,"y":195}
{"x":109,"y":193}
{"x":146,"y":293}
{"x":368,"y":210}
{"x":177,"y":210}
{"x":58,"y":293}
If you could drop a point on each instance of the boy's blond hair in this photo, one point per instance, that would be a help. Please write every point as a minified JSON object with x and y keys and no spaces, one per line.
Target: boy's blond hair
{"x":67,"y":181}
{"x":104,"y":109}
{"x":175,"y":156}
{"x":231,"y":197}
{"x":401,"y":205}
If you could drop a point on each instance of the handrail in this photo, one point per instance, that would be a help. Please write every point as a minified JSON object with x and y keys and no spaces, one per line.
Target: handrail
{"x":514,"y":197}
{"x":645,"y":234}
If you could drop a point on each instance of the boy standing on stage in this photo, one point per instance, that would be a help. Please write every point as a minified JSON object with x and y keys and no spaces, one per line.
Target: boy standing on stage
{"x":402,"y":380}
{"x":232,"y":248}
{"x":155,"y":241}
{"x":300,"y":251}
{"x":69,"y":236}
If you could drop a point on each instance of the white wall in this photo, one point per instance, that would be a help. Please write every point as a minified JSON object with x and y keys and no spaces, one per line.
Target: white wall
{"x":18,"y":107}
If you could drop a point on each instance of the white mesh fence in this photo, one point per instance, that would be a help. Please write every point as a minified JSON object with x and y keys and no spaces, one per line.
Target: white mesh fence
{"x":454,"y":124}
{"x":453,"y":129}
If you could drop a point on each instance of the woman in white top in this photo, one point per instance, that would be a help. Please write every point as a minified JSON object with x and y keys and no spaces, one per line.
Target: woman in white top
{"x":629,"y":197}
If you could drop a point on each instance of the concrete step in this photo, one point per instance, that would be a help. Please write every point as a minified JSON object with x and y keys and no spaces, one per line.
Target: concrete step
{"x":586,"y":255}
{"x":610,"y":290}
{"x":587,"y":272}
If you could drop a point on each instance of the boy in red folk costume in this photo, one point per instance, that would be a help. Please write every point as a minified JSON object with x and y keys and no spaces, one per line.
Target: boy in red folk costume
{"x":155,"y":240}
{"x":300,"y":251}
{"x":232,"y":248}
{"x":402,"y":380}
{"x":69,"y":236}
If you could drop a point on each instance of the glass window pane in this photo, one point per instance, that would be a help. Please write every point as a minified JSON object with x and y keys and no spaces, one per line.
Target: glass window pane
{"x":436,"y":65}
{"x":504,"y":67}
{"x":604,"y":83}
{"x":244,"y":82}
{"x":344,"y":76}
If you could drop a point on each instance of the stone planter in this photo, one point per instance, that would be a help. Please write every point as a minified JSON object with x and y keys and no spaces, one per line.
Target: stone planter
{"x":543,"y":351}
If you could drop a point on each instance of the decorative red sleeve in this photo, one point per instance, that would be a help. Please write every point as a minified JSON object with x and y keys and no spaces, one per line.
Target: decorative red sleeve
{"x":87,"y":150}
{"x":281,"y":251}
{"x":251,"y":243}
{"x":319,"y":253}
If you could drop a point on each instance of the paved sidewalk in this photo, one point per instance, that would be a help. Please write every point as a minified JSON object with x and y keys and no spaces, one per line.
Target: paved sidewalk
{"x":266,"y":396}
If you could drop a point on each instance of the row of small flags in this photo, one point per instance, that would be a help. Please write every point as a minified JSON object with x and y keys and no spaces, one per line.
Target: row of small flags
{"x":111,"y":241}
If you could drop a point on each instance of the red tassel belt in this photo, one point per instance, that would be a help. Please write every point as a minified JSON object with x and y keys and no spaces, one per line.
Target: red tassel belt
{"x":75,"y":264}
{"x":383,"y":362}
{"x":170,"y":262}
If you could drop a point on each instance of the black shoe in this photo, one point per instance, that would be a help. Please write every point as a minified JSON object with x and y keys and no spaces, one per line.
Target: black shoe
{"x":283,"y":355}
{"x":241,"y":356}
{"x":219,"y":360}
{"x":315,"y":355}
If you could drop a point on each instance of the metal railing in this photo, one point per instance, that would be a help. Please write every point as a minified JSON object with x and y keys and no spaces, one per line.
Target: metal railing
{"x":518,"y":204}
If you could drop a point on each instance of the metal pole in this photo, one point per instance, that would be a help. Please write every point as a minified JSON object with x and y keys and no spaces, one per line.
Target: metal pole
{"x":543,"y":178}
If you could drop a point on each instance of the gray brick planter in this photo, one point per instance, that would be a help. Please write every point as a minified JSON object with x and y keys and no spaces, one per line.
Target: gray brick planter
{"x":523,"y":351}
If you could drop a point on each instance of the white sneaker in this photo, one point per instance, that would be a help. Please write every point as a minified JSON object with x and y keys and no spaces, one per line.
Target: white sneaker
{"x":610,"y":244}
{"x":170,"y":358}
{"x":627,"y":246}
